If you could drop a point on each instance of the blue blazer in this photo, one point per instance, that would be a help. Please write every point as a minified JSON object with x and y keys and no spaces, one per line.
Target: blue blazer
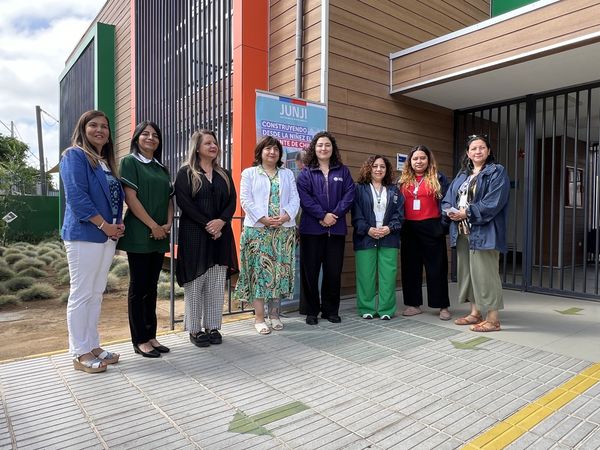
{"x":363,"y":218}
{"x":86,"y":196}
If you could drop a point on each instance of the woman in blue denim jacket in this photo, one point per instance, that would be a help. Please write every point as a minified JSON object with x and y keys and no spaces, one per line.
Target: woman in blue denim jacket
{"x":477,"y":204}
{"x":377,"y":215}
{"x":91,"y":227}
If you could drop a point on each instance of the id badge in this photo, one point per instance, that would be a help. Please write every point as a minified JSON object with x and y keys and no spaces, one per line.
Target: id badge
{"x":416,"y":204}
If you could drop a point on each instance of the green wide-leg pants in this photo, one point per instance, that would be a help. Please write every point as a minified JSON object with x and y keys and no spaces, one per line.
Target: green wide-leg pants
{"x":376,"y":265}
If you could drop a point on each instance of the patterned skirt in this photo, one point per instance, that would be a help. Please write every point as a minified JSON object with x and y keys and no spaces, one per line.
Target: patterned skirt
{"x":267,"y":263}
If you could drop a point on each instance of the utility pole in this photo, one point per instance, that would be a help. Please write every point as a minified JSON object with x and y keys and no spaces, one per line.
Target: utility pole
{"x":38,"y":118}
{"x":12,"y":129}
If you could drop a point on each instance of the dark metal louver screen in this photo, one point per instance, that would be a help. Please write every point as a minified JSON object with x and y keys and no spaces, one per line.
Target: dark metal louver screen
{"x":183,"y":72}
{"x":76,"y":94}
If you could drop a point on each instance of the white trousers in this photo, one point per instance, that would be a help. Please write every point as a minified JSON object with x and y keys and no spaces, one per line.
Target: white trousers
{"x":89,"y":263}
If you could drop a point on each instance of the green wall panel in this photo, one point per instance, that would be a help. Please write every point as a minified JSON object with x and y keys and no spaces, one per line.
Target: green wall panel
{"x":503,"y":6}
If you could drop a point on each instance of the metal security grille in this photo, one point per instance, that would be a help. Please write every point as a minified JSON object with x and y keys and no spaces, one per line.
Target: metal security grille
{"x":504,"y":124}
{"x":183,"y":72}
{"x":549,"y":144}
{"x":76,"y":94}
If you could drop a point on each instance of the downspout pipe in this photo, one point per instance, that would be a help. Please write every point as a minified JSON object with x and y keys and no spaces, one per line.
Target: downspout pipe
{"x":299,"y":60}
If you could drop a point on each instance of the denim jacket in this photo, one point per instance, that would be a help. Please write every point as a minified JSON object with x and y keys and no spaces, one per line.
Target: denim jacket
{"x":487,"y":212}
{"x":363,"y":218}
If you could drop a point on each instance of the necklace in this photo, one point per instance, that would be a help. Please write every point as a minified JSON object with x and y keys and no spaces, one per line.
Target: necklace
{"x":377,"y":193}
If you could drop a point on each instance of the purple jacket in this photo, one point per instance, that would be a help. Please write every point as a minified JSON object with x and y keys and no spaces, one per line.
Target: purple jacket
{"x":318,"y":198}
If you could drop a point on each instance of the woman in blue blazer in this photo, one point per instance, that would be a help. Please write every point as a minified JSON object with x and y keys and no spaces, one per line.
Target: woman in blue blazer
{"x":377,"y":216}
{"x":91,"y":227}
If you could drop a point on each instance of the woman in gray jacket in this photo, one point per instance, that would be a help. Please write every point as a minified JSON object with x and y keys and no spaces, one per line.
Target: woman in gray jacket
{"x":477,"y":204}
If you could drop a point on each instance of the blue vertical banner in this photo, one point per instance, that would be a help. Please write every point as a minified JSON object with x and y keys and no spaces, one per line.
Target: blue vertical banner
{"x":293,"y":121}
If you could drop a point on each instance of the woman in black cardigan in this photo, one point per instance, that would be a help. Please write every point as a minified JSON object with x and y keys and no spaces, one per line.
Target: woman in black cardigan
{"x":206,"y":250}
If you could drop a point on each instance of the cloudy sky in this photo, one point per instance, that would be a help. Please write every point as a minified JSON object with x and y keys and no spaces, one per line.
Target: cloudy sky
{"x":36,"y":39}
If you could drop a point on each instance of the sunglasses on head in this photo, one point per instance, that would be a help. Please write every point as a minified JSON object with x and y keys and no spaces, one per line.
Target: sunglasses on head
{"x":473,"y":136}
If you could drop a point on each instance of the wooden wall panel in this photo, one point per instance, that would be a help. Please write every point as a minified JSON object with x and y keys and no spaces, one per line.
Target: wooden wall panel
{"x":529,"y":32}
{"x":117,"y":13}
{"x":282,"y":53}
{"x":363,"y":116}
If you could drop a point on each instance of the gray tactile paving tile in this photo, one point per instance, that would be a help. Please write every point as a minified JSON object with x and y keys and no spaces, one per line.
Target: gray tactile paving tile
{"x":367,"y":384}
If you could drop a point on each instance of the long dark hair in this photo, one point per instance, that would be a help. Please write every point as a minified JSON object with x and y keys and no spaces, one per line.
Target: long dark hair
{"x":409,"y":177}
{"x":366,"y":170}
{"x":467,"y":164}
{"x":267,"y":141}
{"x":139,"y":129}
{"x":311,"y":160}
{"x":79,"y":139}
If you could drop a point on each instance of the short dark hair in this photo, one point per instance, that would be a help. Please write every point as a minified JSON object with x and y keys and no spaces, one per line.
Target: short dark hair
{"x":267,"y":141}
{"x":311,"y":159}
{"x":467,"y":164}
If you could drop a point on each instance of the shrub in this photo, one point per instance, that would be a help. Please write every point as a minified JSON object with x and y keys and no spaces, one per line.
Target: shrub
{"x":45,"y":259}
{"x":30,"y":253}
{"x":164,"y":277}
{"x":33,"y":272}
{"x":64,"y":297}
{"x":12,"y":258}
{"x":9,"y":299}
{"x":164,"y":290}
{"x":59,"y":264}
{"x":64,"y":279}
{"x":63,"y":271}
{"x":2,"y":250}
{"x":6,"y":273}
{"x":40,"y":291}
{"x":120,"y":270}
{"x":3,"y":289}
{"x":113,"y":283}
{"x":118,"y":260}
{"x":28,"y":262}
{"x":18,"y":283}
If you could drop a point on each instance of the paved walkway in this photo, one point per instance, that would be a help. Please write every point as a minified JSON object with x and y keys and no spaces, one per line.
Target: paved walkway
{"x":405,"y":383}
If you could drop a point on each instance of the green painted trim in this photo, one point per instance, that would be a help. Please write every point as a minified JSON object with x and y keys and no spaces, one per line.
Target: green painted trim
{"x":104,"y":61}
{"x":503,"y":6}
{"x":104,"y":66}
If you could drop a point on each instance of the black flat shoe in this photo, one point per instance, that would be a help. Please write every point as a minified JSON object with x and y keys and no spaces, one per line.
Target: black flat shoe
{"x":312,"y":320}
{"x":200,"y":339}
{"x":152,"y":354}
{"x":162,"y":349}
{"x":333,"y":319}
{"x":214,"y":337}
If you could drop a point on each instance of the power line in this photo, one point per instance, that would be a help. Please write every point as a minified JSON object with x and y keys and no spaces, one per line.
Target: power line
{"x":6,"y":126}
{"x":50,"y":115}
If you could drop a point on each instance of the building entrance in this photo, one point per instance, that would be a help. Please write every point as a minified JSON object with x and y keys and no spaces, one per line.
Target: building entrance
{"x":549,"y":145}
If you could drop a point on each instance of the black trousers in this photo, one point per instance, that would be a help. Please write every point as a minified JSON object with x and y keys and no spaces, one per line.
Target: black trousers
{"x":144,"y":270}
{"x":316,"y":251}
{"x":424,"y":244}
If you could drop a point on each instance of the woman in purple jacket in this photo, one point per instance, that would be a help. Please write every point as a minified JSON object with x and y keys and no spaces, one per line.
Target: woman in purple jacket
{"x":326,"y":192}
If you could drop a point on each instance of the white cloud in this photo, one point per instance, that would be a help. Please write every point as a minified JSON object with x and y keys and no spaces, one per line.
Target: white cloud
{"x":36,"y":38}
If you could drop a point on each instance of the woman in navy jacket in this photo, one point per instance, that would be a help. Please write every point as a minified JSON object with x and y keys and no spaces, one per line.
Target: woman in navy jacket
{"x":326,"y":193}
{"x":91,"y":227}
{"x":377,"y":215}
{"x":479,"y":198}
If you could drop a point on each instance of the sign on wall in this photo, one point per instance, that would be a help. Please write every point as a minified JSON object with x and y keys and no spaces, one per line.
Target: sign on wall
{"x":400,"y":160}
{"x":291,"y":120}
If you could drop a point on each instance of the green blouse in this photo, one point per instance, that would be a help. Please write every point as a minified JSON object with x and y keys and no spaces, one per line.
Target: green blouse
{"x":154,"y":189}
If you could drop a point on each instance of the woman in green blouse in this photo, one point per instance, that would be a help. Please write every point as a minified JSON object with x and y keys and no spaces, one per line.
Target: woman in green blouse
{"x":148,"y":192}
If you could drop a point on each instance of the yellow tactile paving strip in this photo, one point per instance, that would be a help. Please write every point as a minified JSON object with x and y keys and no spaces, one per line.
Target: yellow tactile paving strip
{"x":513,"y":427}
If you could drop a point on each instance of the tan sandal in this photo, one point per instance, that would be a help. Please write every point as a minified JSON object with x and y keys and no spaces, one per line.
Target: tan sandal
{"x":486,"y":326}
{"x":89,"y":366}
{"x":412,"y":311}
{"x":276,"y":323}
{"x":108,"y":357}
{"x":262,"y":328}
{"x":469,"y":320}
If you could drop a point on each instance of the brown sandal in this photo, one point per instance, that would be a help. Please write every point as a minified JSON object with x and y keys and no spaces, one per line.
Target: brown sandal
{"x":486,"y":326}
{"x":469,"y":320}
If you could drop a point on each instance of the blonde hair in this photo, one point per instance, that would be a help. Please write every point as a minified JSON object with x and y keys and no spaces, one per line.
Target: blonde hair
{"x":409,"y":177}
{"x":193,"y":161}
{"x":79,"y":139}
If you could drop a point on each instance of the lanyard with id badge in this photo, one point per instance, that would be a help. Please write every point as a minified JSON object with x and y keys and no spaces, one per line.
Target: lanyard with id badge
{"x":417,"y":201}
